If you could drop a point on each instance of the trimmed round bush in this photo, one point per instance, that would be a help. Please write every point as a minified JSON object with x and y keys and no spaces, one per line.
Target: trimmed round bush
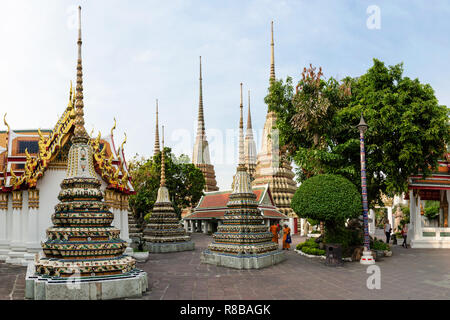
{"x":327,"y":197}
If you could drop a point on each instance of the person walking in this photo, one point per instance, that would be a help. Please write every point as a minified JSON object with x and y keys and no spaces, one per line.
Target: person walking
{"x":387,"y":230}
{"x":286,"y":237}
{"x":274,"y":230}
{"x":405,"y":235}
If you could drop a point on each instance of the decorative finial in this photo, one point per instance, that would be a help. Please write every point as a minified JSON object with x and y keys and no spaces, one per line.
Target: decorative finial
{"x":80,"y":131}
{"x":241,"y":133}
{"x":163,"y":165}
{"x":123,"y":143}
{"x":272,"y":56}
{"x":6,"y":124}
{"x":249,"y":117}
{"x":156,"y":149}
{"x":114,"y":126}
{"x":201,"y":119}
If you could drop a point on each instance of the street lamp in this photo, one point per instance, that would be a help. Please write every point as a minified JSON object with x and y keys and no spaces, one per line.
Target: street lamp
{"x":367,"y":257}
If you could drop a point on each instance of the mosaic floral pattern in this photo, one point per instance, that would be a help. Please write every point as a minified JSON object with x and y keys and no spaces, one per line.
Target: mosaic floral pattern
{"x":243,"y":231}
{"x":82,"y":241}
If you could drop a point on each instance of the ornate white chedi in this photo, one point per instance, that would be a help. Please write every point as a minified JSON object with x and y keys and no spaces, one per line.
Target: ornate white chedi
{"x":242,"y":241}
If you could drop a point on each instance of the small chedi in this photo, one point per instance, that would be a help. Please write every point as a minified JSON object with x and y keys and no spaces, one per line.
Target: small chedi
{"x":164,"y":232}
{"x":242,"y":241}
{"x":82,"y":247}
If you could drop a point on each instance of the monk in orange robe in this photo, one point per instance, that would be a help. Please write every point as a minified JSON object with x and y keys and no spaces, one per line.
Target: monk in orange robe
{"x":274,"y":230}
{"x":286,"y":232}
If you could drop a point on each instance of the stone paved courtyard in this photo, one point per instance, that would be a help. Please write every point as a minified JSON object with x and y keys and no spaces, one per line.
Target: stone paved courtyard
{"x":408,"y":274}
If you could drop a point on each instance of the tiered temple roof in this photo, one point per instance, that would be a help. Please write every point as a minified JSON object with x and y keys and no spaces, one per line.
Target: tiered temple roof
{"x":271,"y":167}
{"x":25,"y":155}
{"x":429,"y":188}
{"x":200,"y":155}
{"x":214,"y":205}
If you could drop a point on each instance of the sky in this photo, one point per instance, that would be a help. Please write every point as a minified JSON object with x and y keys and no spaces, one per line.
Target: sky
{"x":137,"y":51}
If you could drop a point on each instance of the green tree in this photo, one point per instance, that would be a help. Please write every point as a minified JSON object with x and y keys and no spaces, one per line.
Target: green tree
{"x":184,"y":181}
{"x":407,"y":127}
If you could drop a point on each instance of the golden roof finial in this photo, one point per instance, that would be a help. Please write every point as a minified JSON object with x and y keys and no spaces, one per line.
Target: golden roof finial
{"x":272,"y":55}
{"x":123,"y":143}
{"x":80,"y":131}
{"x":114,"y":127}
{"x":163,"y":164}
{"x":6,"y":123}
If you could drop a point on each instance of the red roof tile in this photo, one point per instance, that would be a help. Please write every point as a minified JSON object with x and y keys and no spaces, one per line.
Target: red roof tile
{"x":219,"y":200}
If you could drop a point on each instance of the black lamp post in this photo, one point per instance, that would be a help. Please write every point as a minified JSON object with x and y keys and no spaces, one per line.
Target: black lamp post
{"x":367,"y":254}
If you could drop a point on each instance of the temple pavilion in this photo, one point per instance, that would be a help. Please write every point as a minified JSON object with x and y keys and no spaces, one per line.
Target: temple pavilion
{"x":243,"y":240}
{"x":81,"y":245}
{"x":271,"y":166}
{"x":210,"y":210}
{"x":435,"y":187}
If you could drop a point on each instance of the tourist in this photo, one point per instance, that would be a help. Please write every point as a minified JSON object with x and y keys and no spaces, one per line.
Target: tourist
{"x":404,"y":235}
{"x":286,"y":237}
{"x":387,"y":230}
{"x":274,"y":230}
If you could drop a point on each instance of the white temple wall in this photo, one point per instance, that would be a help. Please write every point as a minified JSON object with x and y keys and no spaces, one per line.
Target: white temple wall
{"x":22,"y":230}
{"x":4,"y":241}
{"x":49,"y":187}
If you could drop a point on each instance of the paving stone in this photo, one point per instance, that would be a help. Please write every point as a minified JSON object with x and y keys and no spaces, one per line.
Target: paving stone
{"x":408,"y":274}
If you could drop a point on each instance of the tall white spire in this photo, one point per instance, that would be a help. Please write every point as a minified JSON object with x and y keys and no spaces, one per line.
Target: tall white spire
{"x":156,"y":149}
{"x":241,"y":132}
{"x":272,"y":55}
{"x":200,"y":155}
{"x":201,"y":149}
{"x":250,"y":145}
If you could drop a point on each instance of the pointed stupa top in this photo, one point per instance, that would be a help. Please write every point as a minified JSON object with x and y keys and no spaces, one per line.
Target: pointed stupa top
{"x":163,"y":164}
{"x":272,"y":56}
{"x":201,"y":149}
{"x":156,"y":149}
{"x":241,"y":132}
{"x":249,"y":117}
{"x":80,"y":133}
{"x":201,"y":119}
{"x":163,"y":192}
{"x":250,"y":145}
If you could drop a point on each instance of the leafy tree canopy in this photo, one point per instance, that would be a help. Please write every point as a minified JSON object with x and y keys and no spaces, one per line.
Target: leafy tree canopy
{"x":317,"y":122}
{"x":184,"y":181}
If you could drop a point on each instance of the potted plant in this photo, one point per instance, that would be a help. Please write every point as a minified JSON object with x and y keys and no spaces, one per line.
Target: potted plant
{"x":139,"y":253}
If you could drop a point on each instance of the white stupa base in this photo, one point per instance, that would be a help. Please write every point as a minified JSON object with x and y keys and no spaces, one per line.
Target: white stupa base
{"x":38,"y":287}
{"x":367,"y":257}
{"x":243,"y":262}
